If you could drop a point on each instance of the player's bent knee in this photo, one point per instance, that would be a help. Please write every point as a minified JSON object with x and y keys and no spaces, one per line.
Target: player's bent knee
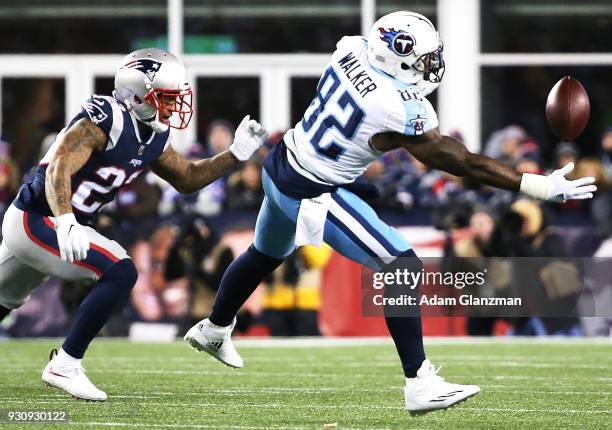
{"x":263,"y":255}
{"x":123,"y":272}
{"x":406,"y":260}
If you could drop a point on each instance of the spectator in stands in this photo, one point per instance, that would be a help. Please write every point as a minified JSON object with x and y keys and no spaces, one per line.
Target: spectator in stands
{"x":219,"y":136}
{"x":292,"y":297}
{"x":600,"y":207}
{"x":477,"y":244}
{"x":555,"y":289}
{"x":606,"y":151}
{"x":198,"y":255}
{"x":566,"y":152}
{"x":505,"y":144}
{"x":210,"y":200}
{"x":528,"y":165}
{"x":9,"y":179}
{"x":529,"y":161}
{"x":154,"y":297}
{"x":244,"y":189}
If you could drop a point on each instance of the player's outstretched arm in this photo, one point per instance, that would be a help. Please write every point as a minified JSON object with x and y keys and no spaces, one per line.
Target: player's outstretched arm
{"x":74,"y":147}
{"x":445,"y":153}
{"x":189,"y":176}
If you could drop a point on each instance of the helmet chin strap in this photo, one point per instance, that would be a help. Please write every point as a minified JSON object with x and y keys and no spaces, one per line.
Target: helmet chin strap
{"x":156,"y":125}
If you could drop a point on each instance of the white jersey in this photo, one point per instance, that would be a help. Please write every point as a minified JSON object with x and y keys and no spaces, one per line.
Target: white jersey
{"x":354,"y":101}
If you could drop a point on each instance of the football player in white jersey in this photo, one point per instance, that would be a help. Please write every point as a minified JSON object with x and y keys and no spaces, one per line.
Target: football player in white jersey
{"x":106,"y":145}
{"x":370,"y":99}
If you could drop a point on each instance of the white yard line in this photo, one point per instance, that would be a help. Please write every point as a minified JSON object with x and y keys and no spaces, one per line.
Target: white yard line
{"x":552,"y":411}
{"x":370,"y":407}
{"x":285,"y":390}
{"x":299,"y":342}
{"x":200,"y":426}
{"x":178,"y":426}
{"x":306,"y":342}
{"x":322,"y":366}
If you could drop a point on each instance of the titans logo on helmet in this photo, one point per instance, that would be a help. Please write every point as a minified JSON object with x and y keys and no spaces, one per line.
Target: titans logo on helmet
{"x":146,"y":65}
{"x":400,"y":42}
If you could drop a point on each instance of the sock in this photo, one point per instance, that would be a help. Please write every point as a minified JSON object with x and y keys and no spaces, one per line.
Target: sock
{"x":65,"y":362}
{"x":112,"y":291}
{"x":4,"y":312}
{"x":239,"y":281}
{"x":407,"y":332}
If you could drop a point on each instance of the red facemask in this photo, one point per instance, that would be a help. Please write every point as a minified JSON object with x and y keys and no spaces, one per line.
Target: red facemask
{"x":172,"y":101}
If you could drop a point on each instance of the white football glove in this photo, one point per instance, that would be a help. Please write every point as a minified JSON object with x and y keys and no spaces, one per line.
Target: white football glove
{"x":555,"y":187}
{"x":71,"y":237}
{"x":250,"y":135}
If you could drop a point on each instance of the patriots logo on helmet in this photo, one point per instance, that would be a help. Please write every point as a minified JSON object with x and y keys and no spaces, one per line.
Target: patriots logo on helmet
{"x":399,"y":42}
{"x":95,"y":112}
{"x":146,"y":65}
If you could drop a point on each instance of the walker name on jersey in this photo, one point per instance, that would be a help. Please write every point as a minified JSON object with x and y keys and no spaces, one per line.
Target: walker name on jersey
{"x":353,"y":70}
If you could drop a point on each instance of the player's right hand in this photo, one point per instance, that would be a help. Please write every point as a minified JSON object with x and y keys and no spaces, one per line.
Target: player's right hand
{"x":72,"y":238}
{"x":249,"y":136}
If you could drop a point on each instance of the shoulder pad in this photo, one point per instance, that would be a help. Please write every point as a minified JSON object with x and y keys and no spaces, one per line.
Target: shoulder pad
{"x":106,"y":112}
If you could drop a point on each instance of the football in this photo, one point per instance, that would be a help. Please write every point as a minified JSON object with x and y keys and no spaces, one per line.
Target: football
{"x":568,"y":108}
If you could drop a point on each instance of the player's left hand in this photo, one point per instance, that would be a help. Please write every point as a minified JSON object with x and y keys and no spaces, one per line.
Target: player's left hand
{"x":250,"y":135}
{"x":563,"y":189}
{"x":72,"y":238}
{"x":555,"y":187}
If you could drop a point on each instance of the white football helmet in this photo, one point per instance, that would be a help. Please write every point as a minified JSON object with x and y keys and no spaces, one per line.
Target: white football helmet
{"x":407,"y":46}
{"x":153,"y":85}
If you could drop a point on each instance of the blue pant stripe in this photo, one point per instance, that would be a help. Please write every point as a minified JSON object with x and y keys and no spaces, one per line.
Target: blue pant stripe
{"x":344,"y":229}
{"x":366,"y":224}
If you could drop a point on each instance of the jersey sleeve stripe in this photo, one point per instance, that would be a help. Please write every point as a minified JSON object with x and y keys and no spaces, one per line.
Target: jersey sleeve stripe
{"x":117,"y":127}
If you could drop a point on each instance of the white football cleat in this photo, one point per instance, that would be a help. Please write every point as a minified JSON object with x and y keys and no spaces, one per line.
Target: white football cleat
{"x":428,"y":391}
{"x":73,"y":381}
{"x":215,"y":340}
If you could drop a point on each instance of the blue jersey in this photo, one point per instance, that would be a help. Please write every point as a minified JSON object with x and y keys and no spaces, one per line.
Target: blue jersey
{"x":125,"y":156}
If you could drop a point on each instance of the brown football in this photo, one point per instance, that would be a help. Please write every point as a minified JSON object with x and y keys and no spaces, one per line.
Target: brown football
{"x":568,"y":108}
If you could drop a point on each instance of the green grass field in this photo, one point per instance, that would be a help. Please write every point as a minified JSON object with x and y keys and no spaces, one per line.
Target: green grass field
{"x":554,"y":384}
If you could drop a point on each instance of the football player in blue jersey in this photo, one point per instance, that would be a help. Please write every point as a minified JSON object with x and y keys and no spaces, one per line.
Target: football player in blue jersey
{"x":106,"y":145}
{"x":370,"y":99}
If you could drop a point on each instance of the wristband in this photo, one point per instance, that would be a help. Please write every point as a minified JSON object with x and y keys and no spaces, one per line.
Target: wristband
{"x":535,"y":185}
{"x":66,"y":218}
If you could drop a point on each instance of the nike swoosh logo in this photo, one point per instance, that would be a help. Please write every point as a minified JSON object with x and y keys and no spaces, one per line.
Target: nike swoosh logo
{"x":57,"y":374}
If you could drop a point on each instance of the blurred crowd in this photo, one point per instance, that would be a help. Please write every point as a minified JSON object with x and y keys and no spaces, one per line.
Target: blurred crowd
{"x":177,"y":241}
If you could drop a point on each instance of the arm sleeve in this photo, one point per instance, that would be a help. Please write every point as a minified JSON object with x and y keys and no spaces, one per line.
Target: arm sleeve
{"x":412,"y":117}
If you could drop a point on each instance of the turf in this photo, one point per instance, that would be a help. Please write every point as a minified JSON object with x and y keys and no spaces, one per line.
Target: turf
{"x":157,"y":386}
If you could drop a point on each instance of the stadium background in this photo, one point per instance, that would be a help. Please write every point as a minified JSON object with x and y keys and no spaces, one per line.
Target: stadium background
{"x":264,"y":58}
